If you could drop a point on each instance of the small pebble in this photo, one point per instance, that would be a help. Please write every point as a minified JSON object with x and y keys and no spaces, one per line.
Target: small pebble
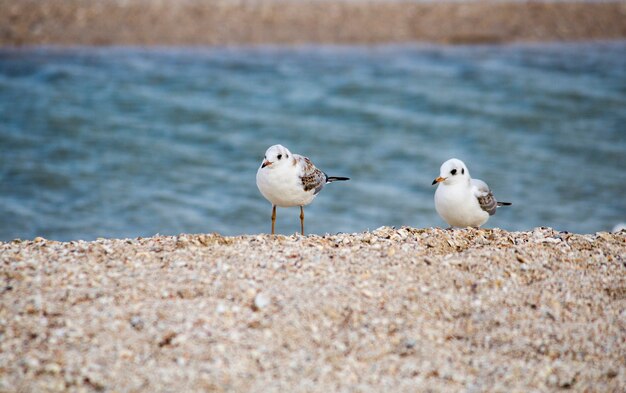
{"x":261,"y":301}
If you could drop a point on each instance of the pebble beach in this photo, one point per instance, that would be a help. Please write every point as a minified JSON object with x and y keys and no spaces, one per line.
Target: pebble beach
{"x":393,"y":309}
{"x":389,"y":310}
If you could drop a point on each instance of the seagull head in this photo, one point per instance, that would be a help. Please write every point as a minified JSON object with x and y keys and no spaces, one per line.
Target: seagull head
{"x":451,"y":172}
{"x":275,"y":156}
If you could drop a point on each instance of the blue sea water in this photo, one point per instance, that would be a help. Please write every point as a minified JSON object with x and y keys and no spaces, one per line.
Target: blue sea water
{"x":127,"y":142}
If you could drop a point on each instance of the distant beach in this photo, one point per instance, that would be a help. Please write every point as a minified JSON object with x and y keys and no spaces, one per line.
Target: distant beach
{"x":222,"y":22}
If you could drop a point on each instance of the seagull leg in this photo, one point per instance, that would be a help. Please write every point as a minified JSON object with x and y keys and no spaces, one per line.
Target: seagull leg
{"x":273,"y":217}
{"x":302,"y":220}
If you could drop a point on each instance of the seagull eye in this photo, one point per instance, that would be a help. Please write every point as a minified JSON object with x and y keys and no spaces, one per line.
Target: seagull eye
{"x":453,"y":172}
{"x":463,"y":171}
{"x":279,"y":156}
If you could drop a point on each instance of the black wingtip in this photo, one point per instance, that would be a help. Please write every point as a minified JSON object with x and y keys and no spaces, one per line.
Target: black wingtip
{"x":504,"y":203}
{"x":336,"y":178}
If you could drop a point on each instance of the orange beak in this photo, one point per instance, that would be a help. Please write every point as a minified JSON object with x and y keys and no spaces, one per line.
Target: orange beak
{"x":265,"y":163}
{"x":438,"y":180}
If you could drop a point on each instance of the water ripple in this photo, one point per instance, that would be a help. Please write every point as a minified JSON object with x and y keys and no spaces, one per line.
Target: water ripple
{"x":132,"y":142}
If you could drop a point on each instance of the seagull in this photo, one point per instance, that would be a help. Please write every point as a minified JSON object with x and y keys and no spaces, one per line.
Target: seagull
{"x":460,"y":200}
{"x":287,"y":180}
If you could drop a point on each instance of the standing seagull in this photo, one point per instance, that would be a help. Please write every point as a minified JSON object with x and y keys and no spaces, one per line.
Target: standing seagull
{"x":460,"y":200}
{"x":287,"y":180}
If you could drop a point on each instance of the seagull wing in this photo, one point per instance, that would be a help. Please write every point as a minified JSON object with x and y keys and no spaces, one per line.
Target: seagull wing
{"x":481,"y":191}
{"x":311,"y":177}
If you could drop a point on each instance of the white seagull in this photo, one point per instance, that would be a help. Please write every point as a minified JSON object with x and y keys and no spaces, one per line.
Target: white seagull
{"x":287,"y":180}
{"x":460,"y":200}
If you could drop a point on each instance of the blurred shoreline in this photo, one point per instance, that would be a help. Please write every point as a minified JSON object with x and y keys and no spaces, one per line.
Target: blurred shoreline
{"x":224,"y":22}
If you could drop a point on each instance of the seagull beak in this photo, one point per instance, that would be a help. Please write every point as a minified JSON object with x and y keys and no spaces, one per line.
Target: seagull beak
{"x":265,"y":163}
{"x":438,"y":180}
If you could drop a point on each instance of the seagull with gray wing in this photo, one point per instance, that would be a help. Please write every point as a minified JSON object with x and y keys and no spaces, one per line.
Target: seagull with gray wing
{"x":289,"y":180}
{"x":460,"y":200}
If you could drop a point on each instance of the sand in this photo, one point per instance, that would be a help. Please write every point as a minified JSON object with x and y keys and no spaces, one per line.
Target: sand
{"x":251,"y":22}
{"x":399,"y":310}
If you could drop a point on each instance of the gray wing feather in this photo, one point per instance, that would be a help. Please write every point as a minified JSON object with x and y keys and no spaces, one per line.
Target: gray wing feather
{"x":312,"y":178}
{"x":485,"y":197}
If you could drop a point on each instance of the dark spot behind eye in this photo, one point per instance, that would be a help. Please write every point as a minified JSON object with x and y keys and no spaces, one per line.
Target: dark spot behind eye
{"x":453,"y":172}
{"x":463,"y":171}
{"x":280,"y":156}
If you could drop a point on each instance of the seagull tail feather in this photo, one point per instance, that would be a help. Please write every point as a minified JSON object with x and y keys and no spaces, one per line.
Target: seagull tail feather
{"x":331,"y":179}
